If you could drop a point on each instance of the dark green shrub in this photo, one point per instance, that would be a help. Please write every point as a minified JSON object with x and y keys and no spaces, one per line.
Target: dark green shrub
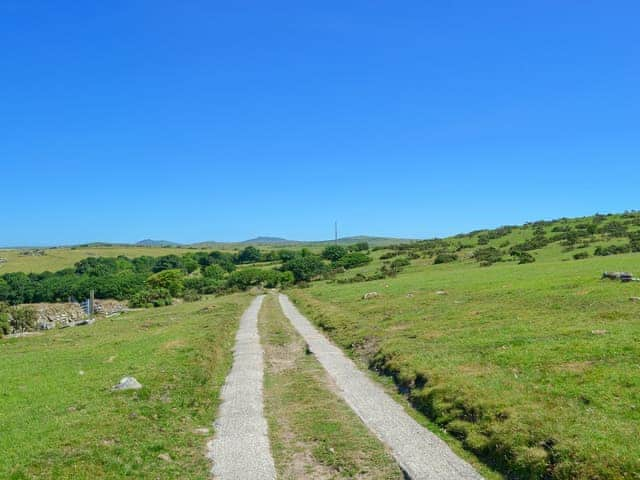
{"x":612,"y":250}
{"x":23,"y":319}
{"x":246,"y":278}
{"x":151,"y":297}
{"x":353,"y":260}
{"x":249,"y":254}
{"x":305,"y":267}
{"x":191,"y":295}
{"x":445,"y":257}
{"x":580,"y":255}
{"x":5,"y":326}
{"x":483,"y":239}
{"x":525,"y":257}
{"x":168,"y":262}
{"x":333,"y":253}
{"x":614,"y":229}
{"x":487,"y":256}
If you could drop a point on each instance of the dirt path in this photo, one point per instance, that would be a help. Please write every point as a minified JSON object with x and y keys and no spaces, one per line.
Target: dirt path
{"x":419,"y":452}
{"x":313,"y":432}
{"x":240,"y":448}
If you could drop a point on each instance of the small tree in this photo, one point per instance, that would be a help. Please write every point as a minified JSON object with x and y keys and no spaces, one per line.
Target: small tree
{"x":249,"y":255}
{"x":305,"y":268}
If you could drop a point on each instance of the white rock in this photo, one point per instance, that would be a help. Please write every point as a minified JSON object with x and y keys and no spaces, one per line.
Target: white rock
{"x":127,"y":383}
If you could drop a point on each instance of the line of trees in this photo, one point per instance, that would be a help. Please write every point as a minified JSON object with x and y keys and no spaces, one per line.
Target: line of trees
{"x":155,"y":281}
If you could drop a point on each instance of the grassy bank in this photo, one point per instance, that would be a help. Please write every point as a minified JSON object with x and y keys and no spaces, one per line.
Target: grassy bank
{"x":534,"y":367}
{"x":313,"y":433}
{"x":59,"y":418}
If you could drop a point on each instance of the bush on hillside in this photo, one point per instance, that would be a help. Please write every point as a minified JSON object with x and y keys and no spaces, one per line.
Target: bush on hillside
{"x":5,"y":326}
{"x":249,"y":254}
{"x":204,"y":285}
{"x":333,"y":253}
{"x":445,"y":257}
{"x":525,"y":257}
{"x":305,"y":267}
{"x":151,"y":297}
{"x":214,"y":272}
{"x":487,"y":256}
{"x":604,"y":251}
{"x":581,"y":255}
{"x":353,"y":260}
{"x":23,"y":318}
{"x":191,"y":295}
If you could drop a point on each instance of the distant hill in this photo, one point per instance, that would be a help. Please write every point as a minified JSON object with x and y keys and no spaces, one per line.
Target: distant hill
{"x":265,"y":240}
{"x":156,"y":243}
{"x":282,"y":242}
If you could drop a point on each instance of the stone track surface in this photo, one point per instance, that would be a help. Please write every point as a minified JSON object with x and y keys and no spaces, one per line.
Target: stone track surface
{"x":421,"y":454}
{"x":240,"y":447}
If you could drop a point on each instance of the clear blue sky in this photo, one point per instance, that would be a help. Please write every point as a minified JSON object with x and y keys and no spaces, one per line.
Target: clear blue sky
{"x":207,"y":120}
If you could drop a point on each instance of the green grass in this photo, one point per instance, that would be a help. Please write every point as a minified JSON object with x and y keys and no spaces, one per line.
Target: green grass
{"x":60,"y":420}
{"x":506,"y":361}
{"x":313,"y":433}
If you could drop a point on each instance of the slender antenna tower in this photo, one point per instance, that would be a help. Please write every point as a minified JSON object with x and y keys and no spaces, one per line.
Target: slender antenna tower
{"x":336,"y":232}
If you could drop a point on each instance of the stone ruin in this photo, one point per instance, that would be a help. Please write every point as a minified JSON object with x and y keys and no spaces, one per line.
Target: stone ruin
{"x":61,"y":315}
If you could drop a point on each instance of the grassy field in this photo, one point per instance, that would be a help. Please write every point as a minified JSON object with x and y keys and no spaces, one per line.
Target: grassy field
{"x":58,"y":258}
{"x":60,"y":420}
{"x":535,"y":368}
{"x":313,"y":433}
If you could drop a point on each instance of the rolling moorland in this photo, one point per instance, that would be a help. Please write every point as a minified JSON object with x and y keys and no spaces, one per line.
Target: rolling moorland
{"x":507,"y":340}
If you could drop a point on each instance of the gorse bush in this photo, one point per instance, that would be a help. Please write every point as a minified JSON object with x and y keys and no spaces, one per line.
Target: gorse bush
{"x":487,"y":256}
{"x":612,"y":250}
{"x":191,"y":295}
{"x":23,"y":318}
{"x":445,"y":257}
{"x":151,"y":297}
{"x":353,"y":260}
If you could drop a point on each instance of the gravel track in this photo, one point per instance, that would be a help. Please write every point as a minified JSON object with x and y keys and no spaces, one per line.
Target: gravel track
{"x":240,"y":448}
{"x":420,"y":453}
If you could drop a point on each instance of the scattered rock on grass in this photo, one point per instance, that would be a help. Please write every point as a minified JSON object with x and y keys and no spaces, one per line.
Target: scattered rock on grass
{"x":635,"y":299}
{"x":202,"y":431}
{"x":598,"y":332}
{"x":165,"y":457}
{"x":370,"y":295}
{"x":127,"y":383}
{"x":441,"y":292}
